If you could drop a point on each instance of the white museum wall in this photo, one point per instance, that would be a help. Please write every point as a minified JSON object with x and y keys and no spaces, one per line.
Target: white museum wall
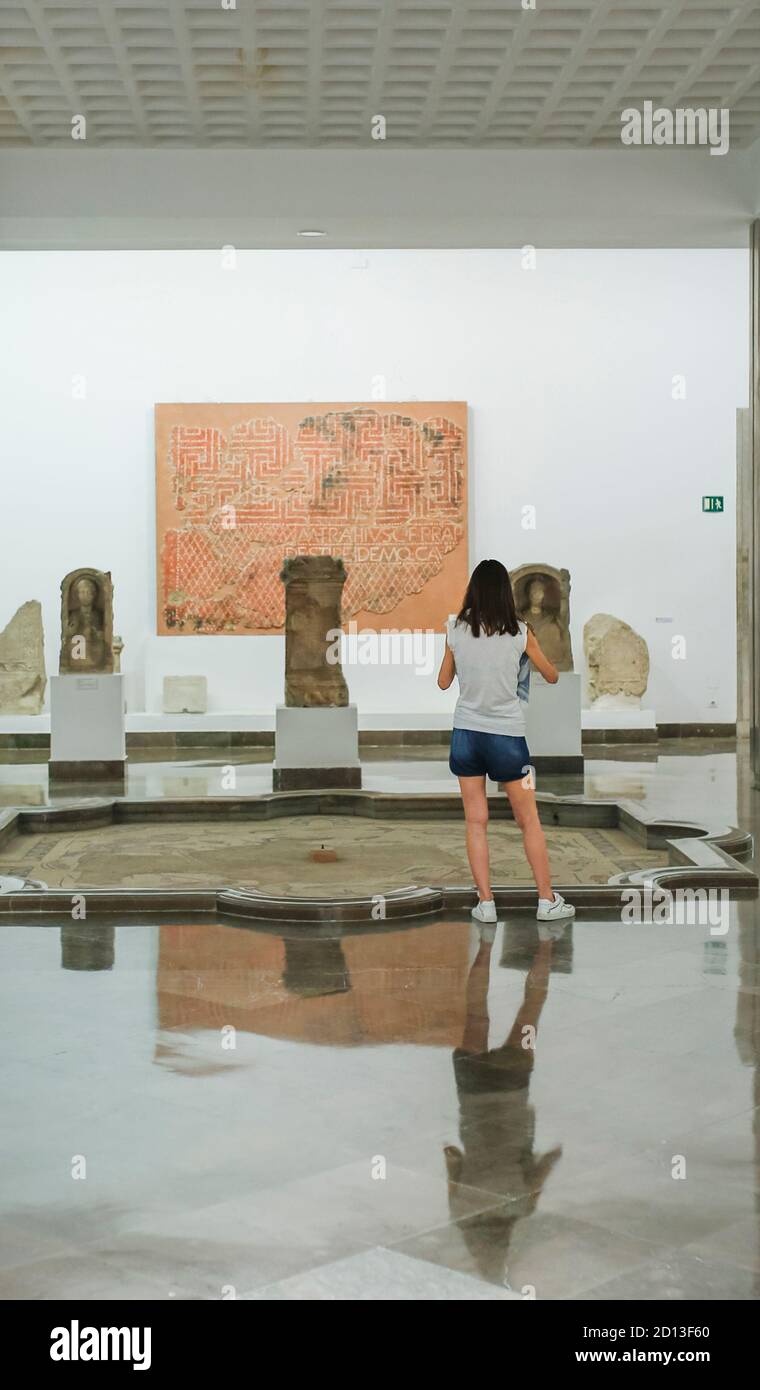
{"x":568,"y":370}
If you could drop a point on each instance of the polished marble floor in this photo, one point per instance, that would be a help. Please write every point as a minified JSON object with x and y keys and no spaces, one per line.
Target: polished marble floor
{"x":684,"y":778}
{"x":197,"y":1111}
{"x":202,"y":1111}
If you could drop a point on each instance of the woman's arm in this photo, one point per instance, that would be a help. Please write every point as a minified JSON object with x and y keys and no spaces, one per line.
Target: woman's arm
{"x":448,"y":669}
{"x":541,"y":662}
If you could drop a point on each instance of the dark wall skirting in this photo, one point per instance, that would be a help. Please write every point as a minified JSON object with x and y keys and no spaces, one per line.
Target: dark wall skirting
{"x":696,"y":730}
{"x":558,"y":762}
{"x":368,"y":738}
{"x":653,"y":736}
{"x":590,"y":737}
{"x":88,"y":771}
{"x":297,"y":779}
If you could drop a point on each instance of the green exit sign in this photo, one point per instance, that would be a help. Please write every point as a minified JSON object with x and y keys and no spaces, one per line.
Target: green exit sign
{"x":712,"y":504}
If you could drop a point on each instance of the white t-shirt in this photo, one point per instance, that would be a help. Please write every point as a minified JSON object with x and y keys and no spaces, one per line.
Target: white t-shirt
{"x":487,"y":669}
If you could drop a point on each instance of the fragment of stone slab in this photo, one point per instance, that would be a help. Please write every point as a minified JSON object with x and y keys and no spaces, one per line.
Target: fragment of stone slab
{"x":313,"y":596}
{"x":22,"y":662}
{"x":10,"y":883}
{"x":185,"y":695}
{"x":617,"y":658}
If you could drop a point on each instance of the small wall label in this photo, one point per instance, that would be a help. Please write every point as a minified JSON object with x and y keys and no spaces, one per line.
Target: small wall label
{"x":712,"y":504}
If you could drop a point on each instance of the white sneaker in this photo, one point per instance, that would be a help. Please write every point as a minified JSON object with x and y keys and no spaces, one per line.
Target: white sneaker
{"x":484,"y":912}
{"x":554,"y":911}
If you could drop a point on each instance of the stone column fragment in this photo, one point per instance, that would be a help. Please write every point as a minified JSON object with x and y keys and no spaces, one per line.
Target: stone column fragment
{"x":313,"y":592}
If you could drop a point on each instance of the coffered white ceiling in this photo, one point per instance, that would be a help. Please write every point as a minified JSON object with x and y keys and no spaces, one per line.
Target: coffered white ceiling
{"x":313,"y":73}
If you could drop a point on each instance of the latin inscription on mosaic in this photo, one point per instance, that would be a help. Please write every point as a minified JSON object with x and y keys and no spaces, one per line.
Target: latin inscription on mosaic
{"x":243,"y":488}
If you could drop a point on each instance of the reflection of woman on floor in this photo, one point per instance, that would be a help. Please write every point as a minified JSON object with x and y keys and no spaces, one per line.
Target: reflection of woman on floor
{"x":486,"y":645}
{"x":496,"y":1123}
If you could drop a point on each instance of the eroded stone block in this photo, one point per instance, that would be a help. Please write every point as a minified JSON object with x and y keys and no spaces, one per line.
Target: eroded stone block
{"x":617,"y":658}
{"x":185,"y":695}
{"x":313,"y":593}
{"x":22,"y":662}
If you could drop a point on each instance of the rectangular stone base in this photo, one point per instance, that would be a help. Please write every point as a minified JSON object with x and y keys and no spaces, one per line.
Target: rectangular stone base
{"x":628,"y":719}
{"x":553,"y":718}
{"x":87,"y":720}
{"x":114,"y":770}
{"x":322,"y":736}
{"x":300,"y":779}
{"x":316,"y":748}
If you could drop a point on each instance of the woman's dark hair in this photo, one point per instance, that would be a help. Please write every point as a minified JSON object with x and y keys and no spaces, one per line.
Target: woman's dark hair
{"x":489,"y":602}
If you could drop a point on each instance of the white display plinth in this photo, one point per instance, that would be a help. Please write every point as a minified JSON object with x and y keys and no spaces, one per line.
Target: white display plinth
{"x":87,"y":725}
{"x":608,"y":714}
{"x":553,"y":720}
{"x":316,"y":748}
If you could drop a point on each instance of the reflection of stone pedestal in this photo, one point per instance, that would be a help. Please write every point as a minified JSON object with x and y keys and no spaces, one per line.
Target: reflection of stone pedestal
{"x":553,"y":723}
{"x":87,"y":947}
{"x":87,"y":728}
{"x":317,"y":747}
{"x":314,"y":968}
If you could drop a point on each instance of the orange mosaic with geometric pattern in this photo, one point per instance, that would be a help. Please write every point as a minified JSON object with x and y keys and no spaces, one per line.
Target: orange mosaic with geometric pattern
{"x":382,"y":486}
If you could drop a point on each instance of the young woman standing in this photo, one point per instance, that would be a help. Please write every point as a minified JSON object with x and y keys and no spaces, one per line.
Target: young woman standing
{"x":484,"y":647}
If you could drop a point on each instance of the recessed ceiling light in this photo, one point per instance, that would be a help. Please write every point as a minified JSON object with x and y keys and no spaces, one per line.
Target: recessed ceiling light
{"x":312,"y":231}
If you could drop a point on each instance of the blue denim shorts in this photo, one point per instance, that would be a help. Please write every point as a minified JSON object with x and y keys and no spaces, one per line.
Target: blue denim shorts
{"x":498,"y":756}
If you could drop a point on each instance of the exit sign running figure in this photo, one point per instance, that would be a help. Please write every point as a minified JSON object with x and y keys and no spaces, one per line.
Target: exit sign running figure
{"x":712,"y":504}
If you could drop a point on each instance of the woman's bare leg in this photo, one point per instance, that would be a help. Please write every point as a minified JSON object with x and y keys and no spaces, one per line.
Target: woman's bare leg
{"x":522,"y":799}
{"x":476,"y":1022}
{"x":473,"y":791}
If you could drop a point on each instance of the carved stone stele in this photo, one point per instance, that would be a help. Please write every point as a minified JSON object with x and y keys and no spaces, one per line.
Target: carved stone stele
{"x":542,"y":599}
{"x":86,"y":623}
{"x":617,"y":658}
{"x":313,"y":592}
{"x":22,"y":662}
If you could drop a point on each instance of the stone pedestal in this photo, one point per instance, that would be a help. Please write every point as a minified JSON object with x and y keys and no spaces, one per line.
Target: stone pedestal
{"x":619,"y":718}
{"x":315,"y":748}
{"x":553,"y":723}
{"x":87,"y":740}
